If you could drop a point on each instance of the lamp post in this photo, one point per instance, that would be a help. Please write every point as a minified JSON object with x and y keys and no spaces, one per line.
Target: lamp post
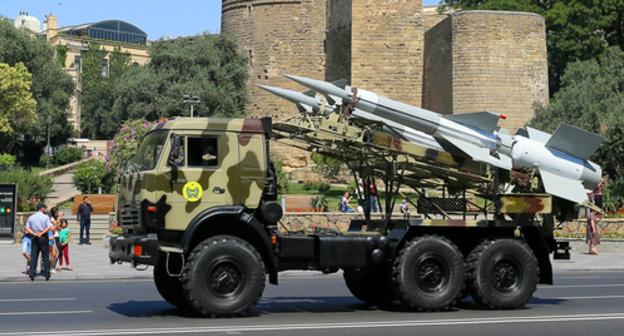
{"x":192,"y":101}
{"x":48,"y":148}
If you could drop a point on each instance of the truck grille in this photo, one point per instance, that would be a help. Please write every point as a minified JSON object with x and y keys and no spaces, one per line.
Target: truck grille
{"x":129,"y":215}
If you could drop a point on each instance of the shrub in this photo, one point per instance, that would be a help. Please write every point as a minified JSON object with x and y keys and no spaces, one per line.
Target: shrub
{"x":31,"y":188}
{"x":45,"y":160}
{"x":91,"y":175}
{"x":67,"y":154}
{"x":7,"y":161}
{"x":282,"y":177}
{"x":125,"y":144}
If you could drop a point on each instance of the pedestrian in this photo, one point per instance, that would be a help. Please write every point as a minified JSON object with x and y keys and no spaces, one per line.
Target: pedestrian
{"x":38,"y":225}
{"x":592,"y":236}
{"x":372,"y":191}
{"x":53,"y":238}
{"x":597,"y":193}
{"x":64,"y":240}
{"x":84,"y":218}
{"x":405,"y":208}
{"x":26,"y":248}
{"x":344,"y":203}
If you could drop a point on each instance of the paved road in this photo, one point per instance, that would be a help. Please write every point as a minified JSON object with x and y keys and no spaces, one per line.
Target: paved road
{"x":580,"y":303}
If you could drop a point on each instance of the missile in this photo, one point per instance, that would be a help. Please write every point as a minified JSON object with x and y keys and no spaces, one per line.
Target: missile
{"x":309,"y":103}
{"x":471,"y":135}
{"x":300,"y":99}
{"x":562,"y":158}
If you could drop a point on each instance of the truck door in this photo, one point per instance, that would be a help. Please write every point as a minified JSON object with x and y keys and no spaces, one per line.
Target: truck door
{"x":253,"y":167}
{"x":206,"y":163}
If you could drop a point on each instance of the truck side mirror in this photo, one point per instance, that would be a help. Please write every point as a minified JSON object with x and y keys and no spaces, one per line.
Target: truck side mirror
{"x":176,"y":143}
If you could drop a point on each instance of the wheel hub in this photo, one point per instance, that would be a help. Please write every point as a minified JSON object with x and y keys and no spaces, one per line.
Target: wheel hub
{"x":506,"y":276}
{"x":431,"y":274}
{"x":225,"y":278}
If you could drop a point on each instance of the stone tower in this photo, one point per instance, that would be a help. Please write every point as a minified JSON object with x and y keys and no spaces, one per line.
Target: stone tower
{"x":278,"y":37}
{"x":387,"y":39}
{"x":487,"y":61}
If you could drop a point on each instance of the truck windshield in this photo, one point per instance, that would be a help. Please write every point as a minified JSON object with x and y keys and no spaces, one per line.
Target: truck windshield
{"x":150,"y":149}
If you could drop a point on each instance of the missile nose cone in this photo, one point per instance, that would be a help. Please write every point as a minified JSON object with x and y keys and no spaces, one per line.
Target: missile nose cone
{"x":320,"y":86}
{"x":293,"y":96}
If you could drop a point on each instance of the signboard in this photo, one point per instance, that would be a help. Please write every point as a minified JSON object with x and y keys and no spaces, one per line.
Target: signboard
{"x":8,"y":208}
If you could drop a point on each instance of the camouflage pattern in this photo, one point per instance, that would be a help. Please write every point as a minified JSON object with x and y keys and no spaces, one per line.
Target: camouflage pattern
{"x":238,"y":178}
{"x":524,"y":203}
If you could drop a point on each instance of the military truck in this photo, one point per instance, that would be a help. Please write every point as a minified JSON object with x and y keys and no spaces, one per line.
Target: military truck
{"x":200,"y":204}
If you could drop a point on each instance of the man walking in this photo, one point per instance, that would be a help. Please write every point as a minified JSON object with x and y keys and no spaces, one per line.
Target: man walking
{"x":84,"y":218}
{"x":37,"y":226}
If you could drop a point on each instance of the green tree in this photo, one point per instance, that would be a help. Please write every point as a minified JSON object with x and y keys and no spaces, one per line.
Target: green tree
{"x":576,"y":29}
{"x":91,"y":175}
{"x":208,"y":66}
{"x":51,"y":87}
{"x":592,"y":97}
{"x":99,"y":80}
{"x":325,"y":166}
{"x":17,"y":106}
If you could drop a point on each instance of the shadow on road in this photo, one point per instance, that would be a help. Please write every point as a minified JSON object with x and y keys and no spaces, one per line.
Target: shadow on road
{"x":282,"y":305}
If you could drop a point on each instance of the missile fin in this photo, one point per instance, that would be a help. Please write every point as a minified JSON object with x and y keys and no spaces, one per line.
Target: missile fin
{"x":538,"y":135}
{"x":477,"y":153}
{"x":574,"y":141}
{"x":569,"y":189}
{"x":487,"y":121}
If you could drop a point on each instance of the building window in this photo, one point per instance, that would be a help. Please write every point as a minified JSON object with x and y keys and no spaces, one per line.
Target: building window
{"x":202,"y":152}
{"x":250,"y":57}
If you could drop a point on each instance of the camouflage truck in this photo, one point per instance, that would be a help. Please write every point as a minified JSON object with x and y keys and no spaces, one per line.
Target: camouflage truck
{"x":200,"y":204}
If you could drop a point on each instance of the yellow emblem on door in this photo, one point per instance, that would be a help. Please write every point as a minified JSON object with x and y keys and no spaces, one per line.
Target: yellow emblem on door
{"x":192,"y":191}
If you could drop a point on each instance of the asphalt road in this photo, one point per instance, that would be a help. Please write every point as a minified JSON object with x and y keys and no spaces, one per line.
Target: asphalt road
{"x":581,"y":303}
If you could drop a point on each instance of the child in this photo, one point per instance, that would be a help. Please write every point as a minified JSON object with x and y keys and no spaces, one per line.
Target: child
{"x":26,"y":249}
{"x":64,"y":239}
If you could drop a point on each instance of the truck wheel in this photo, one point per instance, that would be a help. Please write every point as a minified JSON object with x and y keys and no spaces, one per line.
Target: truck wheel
{"x":428,"y":274}
{"x":502,"y":273}
{"x":170,"y":288}
{"x":371,"y":285}
{"x":224,"y":277}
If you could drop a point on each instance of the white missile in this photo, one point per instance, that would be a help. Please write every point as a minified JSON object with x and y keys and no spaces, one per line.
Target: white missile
{"x":562,"y":158}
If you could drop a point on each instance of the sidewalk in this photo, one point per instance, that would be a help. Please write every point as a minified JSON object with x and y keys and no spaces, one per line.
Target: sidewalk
{"x":88,"y":261}
{"x":91,"y":262}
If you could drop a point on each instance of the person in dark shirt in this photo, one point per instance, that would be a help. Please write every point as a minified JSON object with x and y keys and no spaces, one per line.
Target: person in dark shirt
{"x":84,"y":217}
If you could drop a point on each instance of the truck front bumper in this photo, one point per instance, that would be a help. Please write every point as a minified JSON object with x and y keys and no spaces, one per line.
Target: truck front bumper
{"x":137,"y":250}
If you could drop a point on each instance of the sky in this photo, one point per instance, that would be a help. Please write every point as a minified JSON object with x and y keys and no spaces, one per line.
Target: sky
{"x":158,"y":18}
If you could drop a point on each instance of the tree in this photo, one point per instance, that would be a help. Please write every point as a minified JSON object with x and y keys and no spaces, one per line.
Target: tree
{"x":576,"y":29}
{"x":592,"y":97}
{"x":207,"y":66}
{"x":17,"y":106}
{"x":51,"y":88}
{"x":99,"y":81}
{"x":125,"y":144}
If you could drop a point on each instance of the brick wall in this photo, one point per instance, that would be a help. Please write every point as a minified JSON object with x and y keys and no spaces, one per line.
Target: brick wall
{"x":387,"y":43}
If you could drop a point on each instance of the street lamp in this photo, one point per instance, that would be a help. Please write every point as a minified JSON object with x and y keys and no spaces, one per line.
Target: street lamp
{"x":48,"y":148}
{"x":192,"y":101}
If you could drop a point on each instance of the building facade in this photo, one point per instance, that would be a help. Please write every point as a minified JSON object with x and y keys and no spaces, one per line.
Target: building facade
{"x":73,"y":41}
{"x":459,"y":62}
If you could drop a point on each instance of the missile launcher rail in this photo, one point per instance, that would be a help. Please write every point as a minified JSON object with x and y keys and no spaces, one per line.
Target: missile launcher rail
{"x":370,"y":152}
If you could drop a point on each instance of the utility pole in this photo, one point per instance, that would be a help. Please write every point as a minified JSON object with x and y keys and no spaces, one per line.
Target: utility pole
{"x":48,"y":148}
{"x":192,"y":101}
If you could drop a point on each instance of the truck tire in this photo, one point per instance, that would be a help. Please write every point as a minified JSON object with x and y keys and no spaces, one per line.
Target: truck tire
{"x":371,"y":285}
{"x":428,"y":274}
{"x":502,"y":273}
{"x":224,"y":277}
{"x":170,"y":288}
